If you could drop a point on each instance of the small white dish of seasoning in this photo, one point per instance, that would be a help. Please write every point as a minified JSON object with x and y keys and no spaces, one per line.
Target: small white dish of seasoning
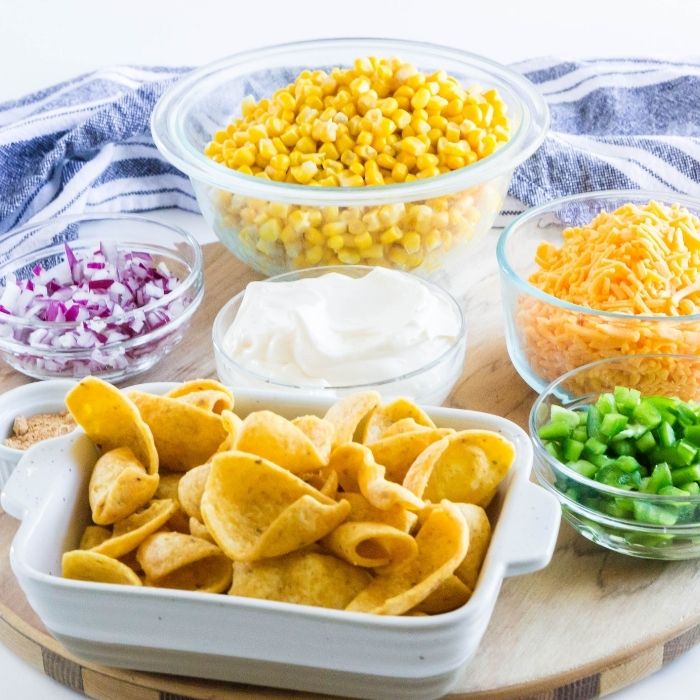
{"x":30,"y":414}
{"x":341,"y":329}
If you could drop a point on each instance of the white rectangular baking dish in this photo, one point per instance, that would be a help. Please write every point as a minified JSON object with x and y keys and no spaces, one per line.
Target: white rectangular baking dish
{"x":256,"y":641}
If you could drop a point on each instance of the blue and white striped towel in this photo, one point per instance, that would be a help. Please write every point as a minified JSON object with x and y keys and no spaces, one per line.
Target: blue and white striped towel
{"x":85,"y":144}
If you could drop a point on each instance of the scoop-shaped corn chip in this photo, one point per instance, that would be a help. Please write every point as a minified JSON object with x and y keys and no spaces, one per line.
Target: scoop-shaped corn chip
{"x":199,"y":529}
{"x":449,"y":595}
{"x":325,"y":481}
{"x":404,"y":425}
{"x":357,"y":471}
{"x":128,"y":534}
{"x":442,"y":544}
{"x":347,"y":414}
{"x":479,"y":539}
{"x":191,"y":488}
{"x":398,"y":451}
{"x":306,"y":578}
{"x":465,"y":467}
{"x":371,"y":544}
{"x":86,"y":565}
{"x":197,"y":386}
{"x":167,"y":488}
{"x":119,"y":486}
{"x":383,"y":417}
{"x":185,"y":436}
{"x":256,"y":509}
{"x":94,"y":535}
{"x":110,"y":419}
{"x":176,"y":560}
{"x":319,"y":431}
{"x":277,"y":439}
{"x":232,"y":425}
{"x":361,"y":510}
{"x":211,"y":401}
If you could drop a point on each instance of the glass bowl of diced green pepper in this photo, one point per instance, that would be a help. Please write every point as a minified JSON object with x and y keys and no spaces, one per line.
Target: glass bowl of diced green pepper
{"x":625,"y":465}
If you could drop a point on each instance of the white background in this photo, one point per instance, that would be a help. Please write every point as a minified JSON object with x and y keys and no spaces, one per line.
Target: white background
{"x":47,"y":41}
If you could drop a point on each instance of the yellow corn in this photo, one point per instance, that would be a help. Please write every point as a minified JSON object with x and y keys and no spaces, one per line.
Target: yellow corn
{"x":380,"y":121}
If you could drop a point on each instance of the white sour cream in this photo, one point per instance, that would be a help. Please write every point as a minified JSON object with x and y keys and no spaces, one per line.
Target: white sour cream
{"x":337,"y":330}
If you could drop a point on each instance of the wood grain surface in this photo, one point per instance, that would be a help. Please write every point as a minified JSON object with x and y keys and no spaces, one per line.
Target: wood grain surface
{"x":592,"y":622}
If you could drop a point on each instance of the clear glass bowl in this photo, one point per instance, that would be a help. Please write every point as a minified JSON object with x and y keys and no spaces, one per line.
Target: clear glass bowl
{"x":547,"y":336}
{"x":456,"y":206}
{"x":583,"y":500}
{"x":429,"y":384}
{"x":43,"y":243}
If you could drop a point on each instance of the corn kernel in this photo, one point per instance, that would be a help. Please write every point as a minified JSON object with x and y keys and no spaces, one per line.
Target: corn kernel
{"x":314,"y":237}
{"x":256,"y":132}
{"x":329,"y":151}
{"x":335,"y":242}
{"x":412,"y":145}
{"x":314,"y":255}
{"x":290,"y":137}
{"x":411,"y":242}
{"x":398,"y":256}
{"x":374,"y":252}
{"x":305,"y":145}
{"x":348,"y":257}
{"x":270,"y":230}
{"x":388,"y":106}
{"x":391,"y":235}
{"x":365,"y":152}
{"x":304,"y":173}
{"x":427,"y":160}
{"x":452,"y":132}
{"x":334,"y":228}
{"x":266,"y":149}
{"x":384,"y":160}
{"x":285,"y":99}
{"x":391,"y":214}
{"x":363,"y":240}
{"x":432,"y":240}
{"x":399,"y":172}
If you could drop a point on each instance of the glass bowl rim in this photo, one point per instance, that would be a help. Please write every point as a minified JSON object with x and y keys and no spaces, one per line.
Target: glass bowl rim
{"x":560,"y":467}
{"x":605,"y":195}
{"x":530,"y":134}
{"x":217,"y":333}
{"x":193,"y":280}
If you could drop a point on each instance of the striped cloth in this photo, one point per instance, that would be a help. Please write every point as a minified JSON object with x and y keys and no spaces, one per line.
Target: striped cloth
{"x":85,"y":144}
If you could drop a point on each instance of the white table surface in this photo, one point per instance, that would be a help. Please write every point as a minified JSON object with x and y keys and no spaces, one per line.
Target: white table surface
{"x":46,"y":41}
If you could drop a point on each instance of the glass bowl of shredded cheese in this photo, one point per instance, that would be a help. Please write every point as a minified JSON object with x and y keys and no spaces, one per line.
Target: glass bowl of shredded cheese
{"x":351,"y":151}
{"x":598,"y":275}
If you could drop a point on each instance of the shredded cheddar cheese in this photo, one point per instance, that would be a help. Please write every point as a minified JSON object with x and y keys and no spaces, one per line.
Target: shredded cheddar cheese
{"x":637,"y":260}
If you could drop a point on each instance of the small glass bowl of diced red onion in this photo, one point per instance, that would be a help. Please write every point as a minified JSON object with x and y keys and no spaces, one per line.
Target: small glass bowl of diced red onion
{"x":107,"y":295}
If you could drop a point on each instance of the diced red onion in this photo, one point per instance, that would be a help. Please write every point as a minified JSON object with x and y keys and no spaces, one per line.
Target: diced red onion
{"x":102,"y":296}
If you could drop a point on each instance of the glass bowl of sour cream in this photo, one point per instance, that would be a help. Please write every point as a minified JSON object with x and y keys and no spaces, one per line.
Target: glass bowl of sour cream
{"x":341,"y":329}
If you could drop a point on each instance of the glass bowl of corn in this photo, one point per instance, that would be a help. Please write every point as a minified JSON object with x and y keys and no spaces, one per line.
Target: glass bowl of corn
{"x":351,"y":151}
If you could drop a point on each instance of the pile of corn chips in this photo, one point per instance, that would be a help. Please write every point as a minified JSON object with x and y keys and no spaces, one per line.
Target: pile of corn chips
{"x":371,"y":508}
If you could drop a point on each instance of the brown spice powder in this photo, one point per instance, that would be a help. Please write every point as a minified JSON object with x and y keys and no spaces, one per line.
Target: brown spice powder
{"x":27,"y":431}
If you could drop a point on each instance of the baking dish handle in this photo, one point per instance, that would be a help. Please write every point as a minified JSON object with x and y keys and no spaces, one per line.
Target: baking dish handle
{"x":34,"y":476}
{"x":531,"y":530}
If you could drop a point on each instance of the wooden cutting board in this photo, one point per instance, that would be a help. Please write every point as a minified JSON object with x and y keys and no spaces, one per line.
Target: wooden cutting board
{"x":592,"y":622}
